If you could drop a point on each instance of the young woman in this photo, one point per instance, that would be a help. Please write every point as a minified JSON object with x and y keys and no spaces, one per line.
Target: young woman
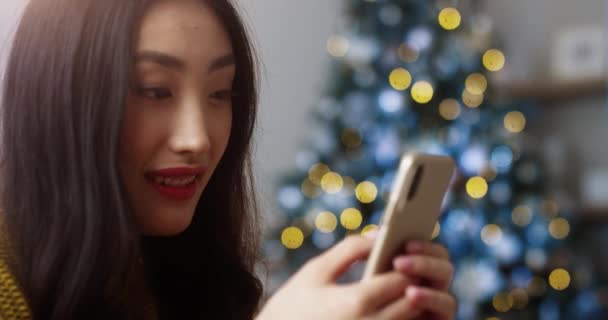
{"x":126,"y":183}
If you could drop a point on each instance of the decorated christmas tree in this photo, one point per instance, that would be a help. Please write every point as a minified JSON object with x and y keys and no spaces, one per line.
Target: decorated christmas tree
{"x":417,"y":75}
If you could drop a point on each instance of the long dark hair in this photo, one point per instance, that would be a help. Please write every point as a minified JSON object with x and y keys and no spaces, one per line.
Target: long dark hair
{"x":74,"y":245}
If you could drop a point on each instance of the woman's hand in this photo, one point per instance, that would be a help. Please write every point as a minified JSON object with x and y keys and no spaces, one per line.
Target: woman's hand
{"x":427,"y":265}
{"x":312,"y":292}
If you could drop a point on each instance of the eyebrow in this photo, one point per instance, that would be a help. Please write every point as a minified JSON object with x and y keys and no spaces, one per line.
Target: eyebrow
{"x":173,"y":62}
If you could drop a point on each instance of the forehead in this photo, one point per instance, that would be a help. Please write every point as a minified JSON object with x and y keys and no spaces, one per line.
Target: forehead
{"x":188,"y":29}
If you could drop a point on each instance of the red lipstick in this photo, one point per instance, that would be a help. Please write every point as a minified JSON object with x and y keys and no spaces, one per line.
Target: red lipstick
{"x":178,"y":183}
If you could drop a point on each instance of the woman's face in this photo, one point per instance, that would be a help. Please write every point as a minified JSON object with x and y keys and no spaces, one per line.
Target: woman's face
{"x":178,"y":116}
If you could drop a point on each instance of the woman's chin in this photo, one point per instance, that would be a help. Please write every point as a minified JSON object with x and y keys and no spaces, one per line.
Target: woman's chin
{"x":166,"y":227}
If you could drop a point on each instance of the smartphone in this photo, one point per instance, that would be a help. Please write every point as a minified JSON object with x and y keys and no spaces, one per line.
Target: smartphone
{"x":413,"y":207}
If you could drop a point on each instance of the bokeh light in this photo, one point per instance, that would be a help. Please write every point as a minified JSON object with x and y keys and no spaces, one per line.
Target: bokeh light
{"x":472,"y":100}
{"x":477,"y":187}
{"x":550,"y":208}
{"x":292,"y":237}
{"x":326,"y":221}
{"x":400,"y":79}
{"x":502,"y":302}
{"x":351,"y":218}
{"x":559,"y":228}
{"x":476,"y":83}
{"x":309,"y":189}
{"x":351,"y":138}
{"x":316,"y":173}
{"x":449,"y":18}
{"x":368,"y":228}
{"x":422,"y":92}
{"x":515,"y":122}
{"x":332,"y":182}
{"x":391,"y":101}
{"x":521,"y":215}
{"x":494,"y":60}
{"x":520,"y":298}
{"x":337,"y":46}
{"x":491,"y":234}
{"x":408,"y":52}
{"x":449,"y":109}
{"x":559,"y":279}
{"x":366,"y":192}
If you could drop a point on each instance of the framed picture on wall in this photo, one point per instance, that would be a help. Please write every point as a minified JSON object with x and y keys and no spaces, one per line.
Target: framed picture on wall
{"x":578,"y":53}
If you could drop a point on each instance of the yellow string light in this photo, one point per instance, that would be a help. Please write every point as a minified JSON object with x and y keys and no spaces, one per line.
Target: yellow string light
{"x":400,"y":79}
{"x":422,"y":92}
{"x":326,"y":222}
{"x":515,"y":122}
{"x":502,"y":302}
{"x":316,"y":173}
{"x":449,"y":109}
{"x":332,"y":182}
{"x":493,"y":60}
{"x":351,"y":218}
{"x":292,"y":237}
{"x":559,"y":279}
{"x":476,"y":83}
{"x":559,"y":228}
{"x":477,"y":187}
{"x":472,"y":100}
{"x":366,"y":192}
{"x":449,"y":18}
{"x":368,"y":228}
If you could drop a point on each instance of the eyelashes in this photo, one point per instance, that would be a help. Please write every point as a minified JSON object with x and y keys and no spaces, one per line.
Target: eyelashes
{"x":224,"y":95}
{"x":154,"y":93}
{"x":159,"y":93}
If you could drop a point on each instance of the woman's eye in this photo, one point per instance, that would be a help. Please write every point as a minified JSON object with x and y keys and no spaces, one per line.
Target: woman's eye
{"x":155,"y":93}
{"x":225,"y":95}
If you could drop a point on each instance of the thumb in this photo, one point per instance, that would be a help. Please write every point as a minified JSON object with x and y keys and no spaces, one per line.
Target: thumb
{"x":335,"y":261}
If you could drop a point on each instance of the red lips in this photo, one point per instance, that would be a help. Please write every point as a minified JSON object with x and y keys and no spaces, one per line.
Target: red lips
{"x":177,"y":171}
{"x":176,"y":192}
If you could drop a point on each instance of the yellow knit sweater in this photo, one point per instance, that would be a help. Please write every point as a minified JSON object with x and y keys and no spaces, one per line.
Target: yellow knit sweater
{"x":13,"y":305}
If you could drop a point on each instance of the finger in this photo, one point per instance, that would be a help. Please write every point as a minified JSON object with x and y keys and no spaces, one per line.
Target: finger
{"x":332,"y":263}
{"x":401,"y":309}
{"x":379,"y":290}
{"x":441,"y":304}
{"x":427,"y":248}
{"x":438,"y":271}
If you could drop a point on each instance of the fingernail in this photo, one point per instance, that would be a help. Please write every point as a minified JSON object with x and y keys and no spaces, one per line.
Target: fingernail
{"x":372,"y":234}
{"x":411,"y":291}
{"x":403,"y":263}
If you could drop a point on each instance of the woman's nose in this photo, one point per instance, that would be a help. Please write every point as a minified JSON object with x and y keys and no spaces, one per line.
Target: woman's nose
{"x":190,"y":133}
